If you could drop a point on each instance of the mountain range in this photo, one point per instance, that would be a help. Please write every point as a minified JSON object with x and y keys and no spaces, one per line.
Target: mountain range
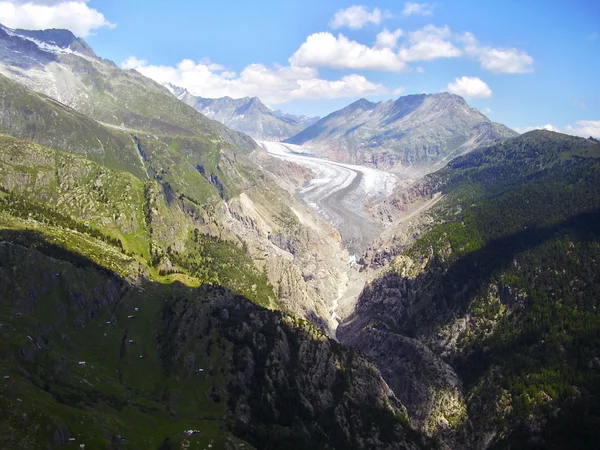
{"x":117,"y":201}
{"x":248,"y":115}
{"x":414,"y":130}
{"x":162,"y":287}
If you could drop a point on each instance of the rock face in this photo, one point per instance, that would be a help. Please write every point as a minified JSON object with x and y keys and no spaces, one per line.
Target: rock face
{"x":248,"y":115}
{"x":415,"y":130}
{"x":283,"y":373}
{"x":426,"y":384}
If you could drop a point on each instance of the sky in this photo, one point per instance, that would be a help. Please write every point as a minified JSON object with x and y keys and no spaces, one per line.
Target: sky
{"x":526,"y":64}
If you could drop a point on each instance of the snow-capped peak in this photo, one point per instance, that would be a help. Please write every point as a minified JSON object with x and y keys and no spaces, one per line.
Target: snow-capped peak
{"x":177,"y":91}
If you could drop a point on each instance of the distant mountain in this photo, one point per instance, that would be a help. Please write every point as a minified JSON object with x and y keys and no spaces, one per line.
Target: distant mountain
{"x":304,"y":120}
{"x":422,"y":130}
{"x":64,"y":67}
{"x":248,"y":115}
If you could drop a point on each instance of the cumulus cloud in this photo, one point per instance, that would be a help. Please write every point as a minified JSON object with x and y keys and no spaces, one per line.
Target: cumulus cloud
{"x":74,"y":15}
{"x":505,"y":61}
{"x":355,"y":17}
{"x":583,"y":128}
{"x":326,"y":50}
{"x":133,"y":63}
{"x":470,"y":87}
{"x":498,"y":60}
{"x":430,"y":42}
{"x":419,"y":9}
{"x":388,"y":39}
{"x":277,"y":85}
{"x":338,"y":52}
{"x":548,"y":127}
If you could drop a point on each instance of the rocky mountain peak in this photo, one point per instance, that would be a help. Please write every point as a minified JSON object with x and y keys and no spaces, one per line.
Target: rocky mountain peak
{"x":52,"y":40}
{"x":176,"y":90}
{"x":418,"y":129}
{"x":248,"y":115}
{"x":362,"y":103}
{"x":447,"y":96}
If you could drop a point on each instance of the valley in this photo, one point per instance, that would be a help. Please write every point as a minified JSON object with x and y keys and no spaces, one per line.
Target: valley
{"x":183,"y":266}
{"x":340,"y":193}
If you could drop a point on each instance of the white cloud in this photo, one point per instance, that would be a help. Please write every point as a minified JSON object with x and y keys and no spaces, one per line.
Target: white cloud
{"x":548,"y":127}
{"x":498,"y":60}
{"x":74,"y":15}
{"x":505,"y":61}
{"x":133,"y":63}
{"x":470,"y":87}
{"x":430,"y":42}
{"x":355,"y":17}
{"x":273,"y":86}
{"x":583,"y":128}
{"x":420,"y":9}
{"x":326,"y":50}
{"x":388,"y":39}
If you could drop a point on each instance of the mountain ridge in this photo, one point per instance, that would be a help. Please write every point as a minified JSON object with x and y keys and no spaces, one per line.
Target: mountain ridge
{"x":248,"y":115}
{"x":484,"y":313}
{"x":413,"y":130}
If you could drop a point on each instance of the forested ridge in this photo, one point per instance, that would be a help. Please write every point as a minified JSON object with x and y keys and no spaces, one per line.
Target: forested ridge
{"x":510,"y":288}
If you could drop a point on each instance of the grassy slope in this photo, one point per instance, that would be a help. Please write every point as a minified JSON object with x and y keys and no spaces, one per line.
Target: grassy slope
{"x":69,"y":191}
{"x":35,"y":117}
{"x":116,"y":393}
{"x":168,"y":158}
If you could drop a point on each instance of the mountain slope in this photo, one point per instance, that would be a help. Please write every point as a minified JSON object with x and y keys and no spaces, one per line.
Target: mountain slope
{"x":76,"y":367}
{"x":497,"y":300}
{"x":67,"y":70}
{"x":210,"y":176}
{"x":100,"y":267}
{"x":248,"y":115}
{"x":223,"y":192}
{"x":414,"y":130}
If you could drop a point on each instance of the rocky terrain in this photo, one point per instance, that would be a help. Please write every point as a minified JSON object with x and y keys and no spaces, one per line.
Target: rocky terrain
{"x":424,"y":131}
{"x":248,"y":115}
{"x":218,"y":371}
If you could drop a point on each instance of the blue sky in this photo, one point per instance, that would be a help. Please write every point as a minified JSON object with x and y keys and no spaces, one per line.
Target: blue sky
{"x":523,"y":63}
